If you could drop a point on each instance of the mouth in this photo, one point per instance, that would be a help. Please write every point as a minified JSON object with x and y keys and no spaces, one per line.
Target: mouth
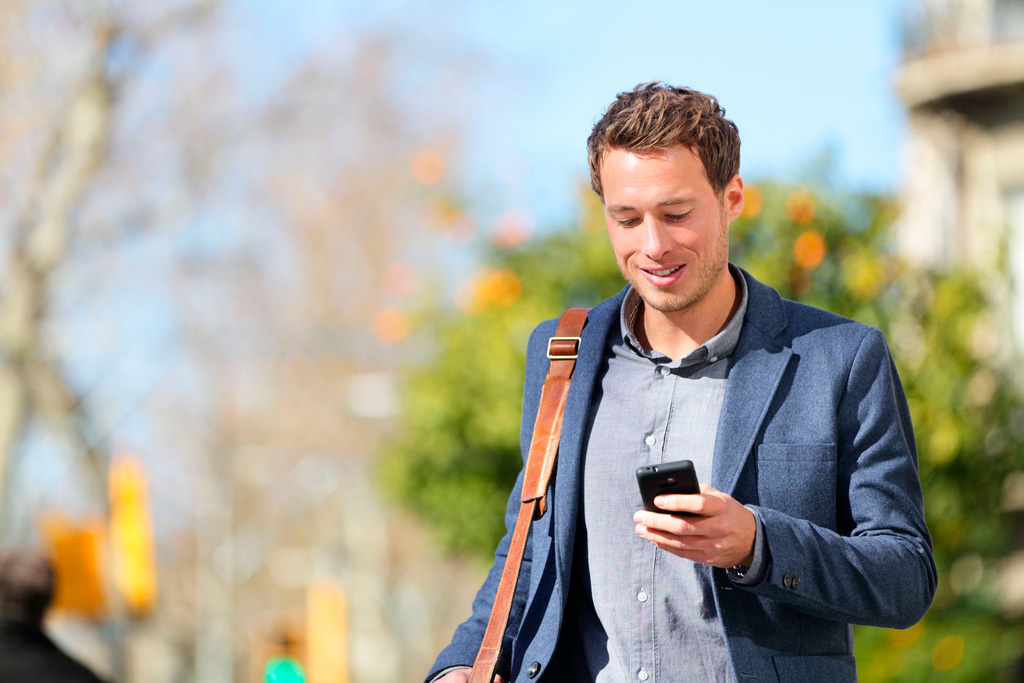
{"x":667,"y":272}
{"x":663,"y":277}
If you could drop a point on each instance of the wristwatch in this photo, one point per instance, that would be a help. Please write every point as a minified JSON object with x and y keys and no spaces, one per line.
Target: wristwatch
{"x":738,"y":571}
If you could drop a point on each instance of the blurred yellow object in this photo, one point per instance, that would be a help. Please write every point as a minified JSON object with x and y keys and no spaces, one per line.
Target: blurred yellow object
{"x":77,"y":554}
{"x":905,"y":637}
{"x":499,"y":288}
{"x":326,"y":633}
{"x":864,"y":274}
{"x":753,"y":201}
{"x":131,"y":535}
{"x":944,"y":443}
{"x":948,"y":652}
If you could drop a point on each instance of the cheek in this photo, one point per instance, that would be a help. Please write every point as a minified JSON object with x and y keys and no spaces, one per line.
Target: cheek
{"x":620,"y":242}
{"x":624,"y":252}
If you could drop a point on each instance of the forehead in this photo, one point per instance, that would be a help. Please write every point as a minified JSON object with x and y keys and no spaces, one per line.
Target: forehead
{"x":628,"y":175}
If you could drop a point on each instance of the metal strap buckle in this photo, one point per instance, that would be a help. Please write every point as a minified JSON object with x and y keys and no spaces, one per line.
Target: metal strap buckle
{"x":562,"y":356}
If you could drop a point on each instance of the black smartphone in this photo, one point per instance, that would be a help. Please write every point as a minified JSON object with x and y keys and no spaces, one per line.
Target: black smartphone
{"x":668,"y":477}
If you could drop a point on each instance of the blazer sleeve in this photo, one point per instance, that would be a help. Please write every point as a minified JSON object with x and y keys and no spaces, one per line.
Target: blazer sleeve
{"x":877,"y":567}
{"x":468,"y":636}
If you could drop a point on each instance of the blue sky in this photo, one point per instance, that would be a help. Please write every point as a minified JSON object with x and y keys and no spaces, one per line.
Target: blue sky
{"x":798,"y":81}
{"x":800,"y":78}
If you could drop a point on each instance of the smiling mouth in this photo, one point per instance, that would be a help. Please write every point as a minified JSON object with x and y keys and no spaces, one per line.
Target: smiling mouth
{"x":662,"y":273}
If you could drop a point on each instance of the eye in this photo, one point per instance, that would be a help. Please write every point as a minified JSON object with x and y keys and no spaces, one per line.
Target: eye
{"x":627,"y":222}
{"x":676,"y":217}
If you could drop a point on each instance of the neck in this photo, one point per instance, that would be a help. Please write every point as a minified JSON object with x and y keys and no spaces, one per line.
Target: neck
{"x":677,"y":333}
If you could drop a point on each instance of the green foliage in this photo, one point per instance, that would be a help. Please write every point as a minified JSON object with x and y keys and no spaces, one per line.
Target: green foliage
{"x":457,"y":453}
{"x":967,"y":414}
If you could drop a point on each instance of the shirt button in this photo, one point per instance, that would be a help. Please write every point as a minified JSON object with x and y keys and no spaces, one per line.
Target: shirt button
{"x":713,"y":359}
{"x":664,"y":371}
{"x":651,"y":440}
{"x":533,"y":670}
{"x":642,"y":675}
{"x":787,"y":580}
{"x":641,"y":596}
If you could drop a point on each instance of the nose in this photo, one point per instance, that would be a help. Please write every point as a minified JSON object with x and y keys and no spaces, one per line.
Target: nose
{"x":656,"y":240}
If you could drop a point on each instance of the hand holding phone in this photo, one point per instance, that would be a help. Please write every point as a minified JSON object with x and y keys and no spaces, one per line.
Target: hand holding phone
{"x":670,"y":477}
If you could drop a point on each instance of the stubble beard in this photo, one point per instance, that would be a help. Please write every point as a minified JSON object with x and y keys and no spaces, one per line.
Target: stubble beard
{"x":709,"y":270}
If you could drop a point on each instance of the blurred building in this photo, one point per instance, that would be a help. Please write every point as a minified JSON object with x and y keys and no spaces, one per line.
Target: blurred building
{"x":962,"y":82}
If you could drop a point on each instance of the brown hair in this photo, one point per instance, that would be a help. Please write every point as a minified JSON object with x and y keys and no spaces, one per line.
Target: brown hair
{"x":655,"y":116}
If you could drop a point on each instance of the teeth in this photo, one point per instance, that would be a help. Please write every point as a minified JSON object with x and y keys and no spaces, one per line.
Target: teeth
{"x":664,"y":273}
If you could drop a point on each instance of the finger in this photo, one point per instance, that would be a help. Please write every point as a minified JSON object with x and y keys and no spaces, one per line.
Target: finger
{"x":688,"y":542}
{"x":684,"y":547}
{"x":708,"y":503}
{"x":693,"y":503}
{"x":673,"y":524}
{"x":703,"y":551}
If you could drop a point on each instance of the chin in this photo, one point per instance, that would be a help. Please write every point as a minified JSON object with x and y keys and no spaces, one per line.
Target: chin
{"x":669,"y":304}
{"x":664,"y":302}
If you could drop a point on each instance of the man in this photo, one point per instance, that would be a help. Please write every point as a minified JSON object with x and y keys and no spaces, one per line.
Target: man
{"x":813,"y":518}
{"x":26,"y":653}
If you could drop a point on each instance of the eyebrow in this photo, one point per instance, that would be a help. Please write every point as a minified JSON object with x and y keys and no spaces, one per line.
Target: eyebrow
{"x":671,"y":201}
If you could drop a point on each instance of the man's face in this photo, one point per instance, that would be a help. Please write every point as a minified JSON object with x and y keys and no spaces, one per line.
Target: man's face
{"x":668,"y":228}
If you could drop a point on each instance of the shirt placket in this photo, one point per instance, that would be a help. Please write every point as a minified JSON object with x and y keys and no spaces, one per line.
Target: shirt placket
{"x":657,"y":409}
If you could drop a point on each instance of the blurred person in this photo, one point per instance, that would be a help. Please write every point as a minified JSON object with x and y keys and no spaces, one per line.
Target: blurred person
{"x":810,"y":515}
{"x":27,"y":655}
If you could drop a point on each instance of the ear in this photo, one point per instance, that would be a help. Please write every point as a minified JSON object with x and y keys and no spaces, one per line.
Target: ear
{"x":733,"y":198}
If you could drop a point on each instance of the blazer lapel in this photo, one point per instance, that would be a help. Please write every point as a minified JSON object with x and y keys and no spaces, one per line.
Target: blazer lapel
{"x":760,"y":358}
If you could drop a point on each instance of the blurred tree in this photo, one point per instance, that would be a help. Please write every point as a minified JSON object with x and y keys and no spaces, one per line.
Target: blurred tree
{"x":209,"y":221}
{"x":51,"y":140}
{"x":457,"y":453}
{"x":456,"y":456}
{"x":63,"y":71}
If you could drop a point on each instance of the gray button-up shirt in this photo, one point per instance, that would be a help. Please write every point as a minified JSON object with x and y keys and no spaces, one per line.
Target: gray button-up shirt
{"x":641,"y":614}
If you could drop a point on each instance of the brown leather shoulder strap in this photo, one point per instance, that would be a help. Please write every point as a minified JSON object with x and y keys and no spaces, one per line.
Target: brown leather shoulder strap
{"x":540,"y":464}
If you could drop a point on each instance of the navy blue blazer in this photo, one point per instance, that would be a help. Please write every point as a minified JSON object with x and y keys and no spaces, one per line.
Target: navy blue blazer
{"x":815,"y":434}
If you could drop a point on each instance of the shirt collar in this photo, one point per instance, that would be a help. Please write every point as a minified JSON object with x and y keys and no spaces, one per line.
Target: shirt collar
{"x":719,"y":346}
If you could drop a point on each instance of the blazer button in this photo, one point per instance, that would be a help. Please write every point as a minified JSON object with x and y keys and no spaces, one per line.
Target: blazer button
{"x":787,"y":581}
{"x":533,"y":670}
{"x":796,"y":583}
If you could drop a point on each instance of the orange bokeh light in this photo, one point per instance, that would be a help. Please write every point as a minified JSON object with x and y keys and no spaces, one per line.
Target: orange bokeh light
{"x":801,"y":207}
{"x":809,"y":250}
{"x":427,"y":167}
{"x":753,"y":201}
{"x":391,"y":326}
{"x":491,"y":288}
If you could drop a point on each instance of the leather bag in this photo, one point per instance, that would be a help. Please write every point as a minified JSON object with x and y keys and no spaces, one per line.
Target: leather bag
{"x":540,"y":465}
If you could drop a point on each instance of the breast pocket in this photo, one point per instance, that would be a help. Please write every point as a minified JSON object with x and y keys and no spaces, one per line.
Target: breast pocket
{"x":799,"y":480}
